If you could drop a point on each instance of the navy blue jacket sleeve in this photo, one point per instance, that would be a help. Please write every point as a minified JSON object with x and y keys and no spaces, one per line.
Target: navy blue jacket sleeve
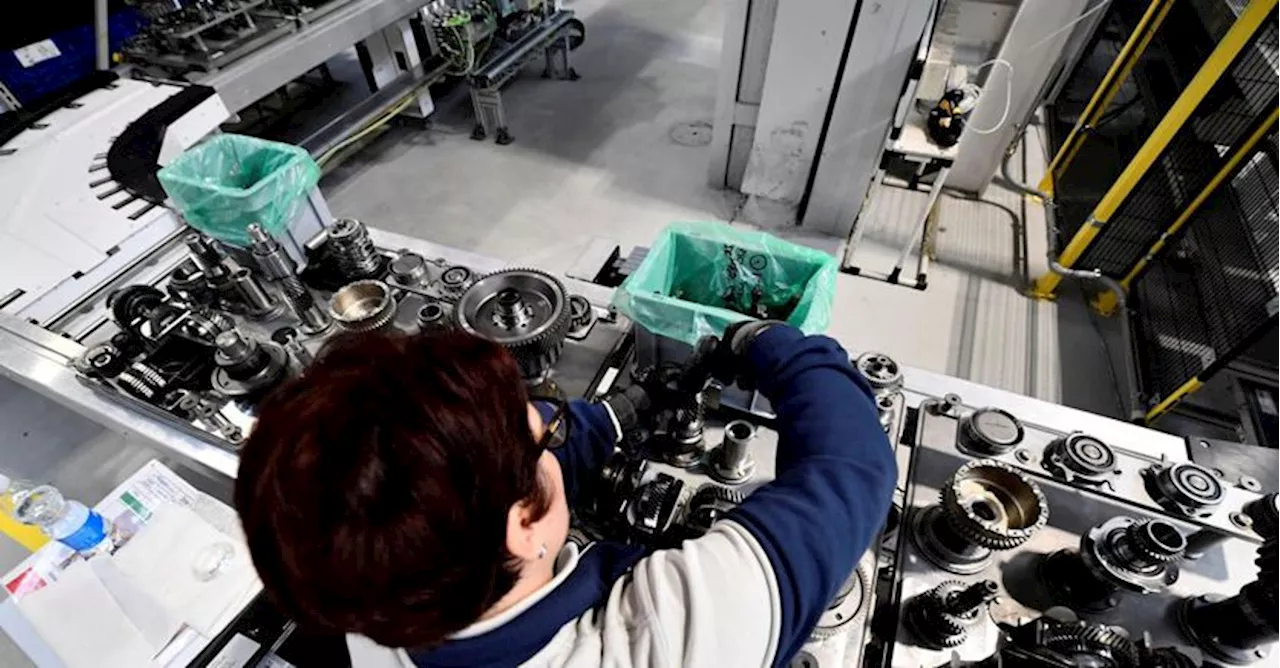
{"x":835,"y":475}
{"x":592,"y":438}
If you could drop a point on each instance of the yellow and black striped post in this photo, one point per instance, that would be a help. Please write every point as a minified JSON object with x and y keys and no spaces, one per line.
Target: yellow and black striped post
{"x":1111,"y":83}
{"x":1232,"y":44}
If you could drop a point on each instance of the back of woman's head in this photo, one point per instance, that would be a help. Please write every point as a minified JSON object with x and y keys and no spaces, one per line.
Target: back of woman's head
{"x":374,"y":490}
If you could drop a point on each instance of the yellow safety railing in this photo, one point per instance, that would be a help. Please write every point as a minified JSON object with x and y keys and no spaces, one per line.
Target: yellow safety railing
{"x":1105,"y":302}
{"x":1107,"y":89}
{"x":1232,"y":44}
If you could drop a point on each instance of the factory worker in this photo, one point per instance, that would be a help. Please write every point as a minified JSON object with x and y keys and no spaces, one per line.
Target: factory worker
{"x":404,"y":492}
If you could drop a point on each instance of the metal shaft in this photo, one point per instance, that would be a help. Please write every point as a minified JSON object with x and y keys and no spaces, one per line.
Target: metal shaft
{"x":970,"y":599}
{"x":207,"y":254}
{"x":280,"y":269}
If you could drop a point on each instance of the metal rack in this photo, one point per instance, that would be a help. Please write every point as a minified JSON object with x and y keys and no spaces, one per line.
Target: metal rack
{"x":1212,"y":294}
{"x":1117,"y":197}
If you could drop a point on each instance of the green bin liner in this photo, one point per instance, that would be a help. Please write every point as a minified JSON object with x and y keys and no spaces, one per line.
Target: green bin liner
{"x":229,"y":181}
{"x":699,"y":278}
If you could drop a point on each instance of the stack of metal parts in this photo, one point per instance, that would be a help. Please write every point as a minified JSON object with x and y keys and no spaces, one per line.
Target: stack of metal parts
{"x":1128,"y":570}
{"x":184,"y":35}
{"x":229,"y":324}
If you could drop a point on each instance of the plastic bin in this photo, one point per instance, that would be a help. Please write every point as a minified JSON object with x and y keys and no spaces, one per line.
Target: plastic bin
{"x":699,"y":278}
{"x":229,"y":181}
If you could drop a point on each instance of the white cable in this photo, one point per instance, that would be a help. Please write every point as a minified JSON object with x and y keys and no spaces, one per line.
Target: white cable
{"x":1102,"y":4}
{"x":1008,"y":89}
{"x":1008,"y":97}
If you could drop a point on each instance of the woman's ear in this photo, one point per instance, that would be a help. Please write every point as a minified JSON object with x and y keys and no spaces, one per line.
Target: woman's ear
{"x":536,"y":426}
{"x":522,"y":538}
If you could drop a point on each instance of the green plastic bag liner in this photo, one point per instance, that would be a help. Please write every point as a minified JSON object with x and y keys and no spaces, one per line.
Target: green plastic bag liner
{"x":229,"y":181}
{"x":699,"y":278}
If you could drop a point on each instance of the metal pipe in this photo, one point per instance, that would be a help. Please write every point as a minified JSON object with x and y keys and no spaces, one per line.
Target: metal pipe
{"x":1134,"y":403}
{"x":1133,"y":406}
{"x":102,"y":35}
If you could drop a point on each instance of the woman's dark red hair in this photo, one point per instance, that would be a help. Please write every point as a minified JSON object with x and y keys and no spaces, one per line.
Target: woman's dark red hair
{"x":374,"y":490}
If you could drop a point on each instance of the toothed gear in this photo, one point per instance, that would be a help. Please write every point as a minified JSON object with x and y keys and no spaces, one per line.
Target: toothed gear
{"x":850,"y":604}
{"x":994,"y":488}
{"x":929,"y":620}
{"x":1095,"y":640}
{"x":525,"y":310}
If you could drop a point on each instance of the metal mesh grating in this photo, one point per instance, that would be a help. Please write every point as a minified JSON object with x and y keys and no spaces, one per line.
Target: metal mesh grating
{"x":1178,"y":48}
{"x":1214,"y":290}
{"x":1242,"y":97}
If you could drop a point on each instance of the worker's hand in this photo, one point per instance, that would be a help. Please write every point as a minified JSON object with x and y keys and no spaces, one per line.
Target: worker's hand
{"x":629,"y":406}
{"x":729,"y":356}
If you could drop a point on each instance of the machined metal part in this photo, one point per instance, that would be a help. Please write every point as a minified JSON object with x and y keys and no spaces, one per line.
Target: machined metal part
{"x":288,"y":337}
{"x":732,"y":463}
{"x":454,"y":280}
{"x":1117,"y":555}
{"x":620,"y":477}
{"x":881,"y":371}
{"x":1185,"y":488}
{"x":988,"y":432}
{"x":985,"y":505}
{"x":434,"y":316}
{"x":209,"y":255}
{"x":246,"y":367}
{"x":247,"y":296}
{"x":1080,"y":458}
{"x":654,"y":504}
{"x":684,"y":444}
{"x":353,"y":251}
{"x":708,"y":504}
{"x":143,"y":381}
{"x":851,"y":603}
{"x":1085,"y":644}
{"x":525,"y":310}
{"x":189,"y":284}
{"x":581,"y":317}
{"x":408,"y":268}
{"x":101,"y":360}
{"x":278,"y":267}
{"x":207,"y":408}
{"x":942,"y":616}
{"x":363,"y":306}
{"x":1240,"y":629}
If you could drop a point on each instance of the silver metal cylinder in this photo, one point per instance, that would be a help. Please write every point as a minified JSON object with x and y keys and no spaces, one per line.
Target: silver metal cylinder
{"x":363,"y":306}
{"x":208,"y":255}
{"x":408,"y":269}
{"x":732,"y":462}
{"x":252,"y":297}
{"x":278,"y":267}
{"x":433,"y":316}
{"x":233,"y":346}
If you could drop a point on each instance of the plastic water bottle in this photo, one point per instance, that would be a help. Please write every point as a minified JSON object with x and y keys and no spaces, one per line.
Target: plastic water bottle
{"x":66,"y":521}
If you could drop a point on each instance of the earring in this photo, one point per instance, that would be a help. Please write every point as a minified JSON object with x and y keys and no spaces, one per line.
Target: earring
{"x":542,"y":551}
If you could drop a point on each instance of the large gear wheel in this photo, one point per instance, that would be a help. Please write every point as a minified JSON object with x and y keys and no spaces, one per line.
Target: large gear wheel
{"x":525,"y":310}
{"x":993,"y":505}
{"x":1100,"y":645}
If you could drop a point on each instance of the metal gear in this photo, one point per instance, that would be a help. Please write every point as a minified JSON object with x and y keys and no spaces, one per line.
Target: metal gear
{"x":993,"y":505}
{"x":881,"y":371}
{"x":363,"y":306}
{"x":1103,"y":646}
{"x":1132,"y":554}
{"x":708,"y":504}
{"x":525,"y":310}
{"x":942,"y":616}
{"x":849,"y":605}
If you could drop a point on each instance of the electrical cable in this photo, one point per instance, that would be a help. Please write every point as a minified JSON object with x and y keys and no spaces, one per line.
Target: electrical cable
{"x":1008,"y":94}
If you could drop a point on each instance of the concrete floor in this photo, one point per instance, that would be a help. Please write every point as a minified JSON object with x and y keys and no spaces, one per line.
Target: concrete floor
{"x":597,"y":158}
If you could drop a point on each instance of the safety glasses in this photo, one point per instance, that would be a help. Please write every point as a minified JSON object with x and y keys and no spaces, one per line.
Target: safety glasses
{"x":555,"y":428}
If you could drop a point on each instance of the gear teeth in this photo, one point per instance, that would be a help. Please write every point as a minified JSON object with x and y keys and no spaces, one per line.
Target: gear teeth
{"x":539,"y":352}
{"x":1086,"y":638}
{"x":974,"y":529}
